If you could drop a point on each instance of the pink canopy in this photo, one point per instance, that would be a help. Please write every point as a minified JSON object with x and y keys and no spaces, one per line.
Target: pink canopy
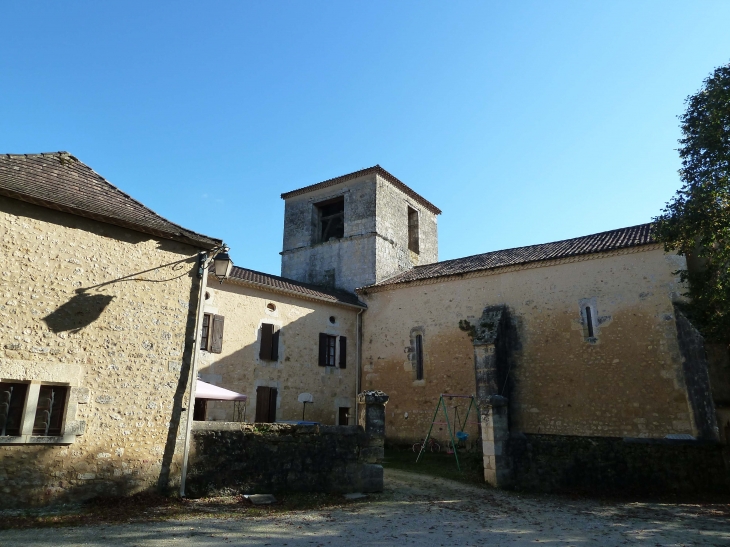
{"x":209,"y":391}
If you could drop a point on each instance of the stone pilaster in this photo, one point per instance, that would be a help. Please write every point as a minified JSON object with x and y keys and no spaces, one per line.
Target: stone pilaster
{"x":372,"y":419}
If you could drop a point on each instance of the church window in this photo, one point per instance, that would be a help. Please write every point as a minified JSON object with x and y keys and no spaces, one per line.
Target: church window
{"x":413,"y":230}
{"x":12,"y":401}
{"x":589,"y":322}
{"x":419,"y":357}
{"x":331,"y":217}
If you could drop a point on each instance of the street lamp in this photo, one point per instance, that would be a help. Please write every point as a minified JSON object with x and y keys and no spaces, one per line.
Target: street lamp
{"x":222,"y":264}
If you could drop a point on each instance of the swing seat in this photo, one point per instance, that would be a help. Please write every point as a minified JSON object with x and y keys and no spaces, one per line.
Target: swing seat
{"x":462,"y":435}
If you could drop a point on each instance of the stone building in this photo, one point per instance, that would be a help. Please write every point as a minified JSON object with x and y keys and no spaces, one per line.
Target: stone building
{"x":290,"y":347}
{"x":98,"y":306}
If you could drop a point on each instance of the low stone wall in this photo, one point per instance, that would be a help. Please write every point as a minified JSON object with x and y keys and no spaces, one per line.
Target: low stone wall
{"x":598,"y":465}
{"x":248,"y":458}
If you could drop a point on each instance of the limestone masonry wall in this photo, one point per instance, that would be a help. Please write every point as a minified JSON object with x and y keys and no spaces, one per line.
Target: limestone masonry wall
{"x":602,"y":465}
{"x":265,"y":458}
{"x":627,"y":381}
{"x":296,"y":371}
{"x":105,"y":311}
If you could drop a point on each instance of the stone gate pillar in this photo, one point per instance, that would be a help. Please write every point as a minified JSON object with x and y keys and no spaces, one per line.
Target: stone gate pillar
{"x":493,"y":408}
{"x":495,"y":435}
{"x":372,"y":419}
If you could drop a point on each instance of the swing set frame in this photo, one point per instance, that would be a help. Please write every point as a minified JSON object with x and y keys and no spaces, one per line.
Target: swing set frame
{"x":442,"y":405}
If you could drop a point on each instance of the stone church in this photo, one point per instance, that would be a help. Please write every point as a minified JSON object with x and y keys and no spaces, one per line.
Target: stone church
{"x":561,"y":342}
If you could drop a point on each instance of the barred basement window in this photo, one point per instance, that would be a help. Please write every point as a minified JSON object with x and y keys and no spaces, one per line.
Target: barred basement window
{"x":49,"y":412}
{"x":12,"y":401}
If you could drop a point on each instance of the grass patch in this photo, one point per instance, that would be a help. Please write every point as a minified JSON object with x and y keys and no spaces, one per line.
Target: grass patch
{"x":437,"y":464}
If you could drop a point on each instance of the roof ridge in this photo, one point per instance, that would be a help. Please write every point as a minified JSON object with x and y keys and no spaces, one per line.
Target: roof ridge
{"x":533,"y":245}
{"x":297,"y":282}
{"x":609,"y":240}
{"x":79,"y":189}
{"x":378,"y":169}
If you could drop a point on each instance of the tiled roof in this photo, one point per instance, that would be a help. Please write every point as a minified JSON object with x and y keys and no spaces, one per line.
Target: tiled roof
{"x":59,"y":181}
{"x":266,"y":281}
{"x":596,"y":243}
{"x":374,"y":169}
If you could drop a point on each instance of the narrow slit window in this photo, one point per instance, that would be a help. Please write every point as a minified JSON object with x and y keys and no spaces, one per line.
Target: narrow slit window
{"x":413,"y":230}
{"x":49,"y":412}
{"x":589,"y":322}
{"x":12,"y":401}
{"x":419,"y":357}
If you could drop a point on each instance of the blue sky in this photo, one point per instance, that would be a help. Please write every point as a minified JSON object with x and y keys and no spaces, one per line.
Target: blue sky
{"x":525,"y":122}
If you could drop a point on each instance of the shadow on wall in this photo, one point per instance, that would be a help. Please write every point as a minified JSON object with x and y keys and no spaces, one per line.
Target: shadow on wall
{"x":79,"y":312}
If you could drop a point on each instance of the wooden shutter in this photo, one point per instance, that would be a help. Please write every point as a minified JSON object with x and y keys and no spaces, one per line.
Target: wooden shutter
{"x":262,"y":404}
{"x":275,"y":346}
{"x":216,"y":336}
{"x":322,"y":349}
{"x":272,"y":404}
{"x":267,"y":332}
{"x":343,"y":352}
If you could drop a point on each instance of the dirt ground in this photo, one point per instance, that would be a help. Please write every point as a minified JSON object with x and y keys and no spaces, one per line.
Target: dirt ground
{"x":418,"y":510}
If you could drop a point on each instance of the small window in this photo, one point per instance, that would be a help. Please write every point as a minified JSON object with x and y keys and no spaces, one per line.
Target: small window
{"x":333,"y":320}
{"x":589,"y":322}
{"x":269,"y":349}
{"x":12,"y":401}
{"x":205,"y":334}
{"x":331,"y":216}
{"x":211,"y":335}
{"x":343,"y":417}
{"x":413,"y":230}
{"x":419,"y":357}
{"x":327,"y":350}
{"x":271,"y":306}
{"x":49,"y":412}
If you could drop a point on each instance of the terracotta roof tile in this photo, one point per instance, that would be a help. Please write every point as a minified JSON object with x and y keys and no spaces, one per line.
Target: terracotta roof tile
{"x":374,"y":169}
{"x":289,"y":285}
{"x":59,"y":181}
{"x":595,"y":243}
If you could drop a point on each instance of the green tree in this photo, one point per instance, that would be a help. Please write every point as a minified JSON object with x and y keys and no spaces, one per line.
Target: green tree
{"x":696,"y":222}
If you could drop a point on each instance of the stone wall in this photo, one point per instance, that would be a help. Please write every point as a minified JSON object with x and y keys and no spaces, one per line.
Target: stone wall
{"x":107,"y":312}
{"x":606,"y":465}
{"x":627,"y":381}
{"x":299,"y":322}
{"x":393,"y":255}
{"x":266,"y":458}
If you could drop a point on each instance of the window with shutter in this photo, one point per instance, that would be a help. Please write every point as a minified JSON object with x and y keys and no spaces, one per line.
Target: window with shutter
{"x":265,"y":404}
{"x":267,"y":335}
{"x":343,"y":352}
{"x":327,"y":350}
{"x":216,"y":334}
{"x":275,"y":346}
{"x":205,"y":332}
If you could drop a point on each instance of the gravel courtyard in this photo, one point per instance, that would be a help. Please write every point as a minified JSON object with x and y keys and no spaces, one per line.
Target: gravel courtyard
{"x":421,"y":510}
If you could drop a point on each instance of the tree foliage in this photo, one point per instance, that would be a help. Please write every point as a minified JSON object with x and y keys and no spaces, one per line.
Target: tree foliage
{"x":696,"y":222}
